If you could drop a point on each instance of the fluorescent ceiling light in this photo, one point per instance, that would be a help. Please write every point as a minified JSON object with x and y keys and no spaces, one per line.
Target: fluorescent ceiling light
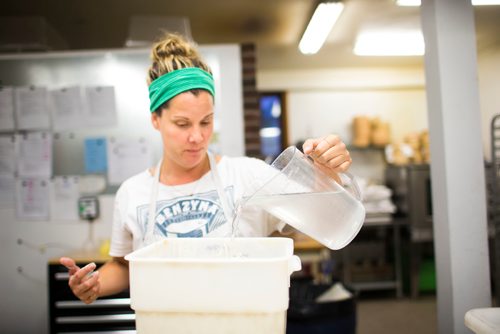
{"x":485,"y":2}
{"x":415,"y":3}
{"x":408,"y":3}
{"x":322,"y":22}
{"x":397,"y":43}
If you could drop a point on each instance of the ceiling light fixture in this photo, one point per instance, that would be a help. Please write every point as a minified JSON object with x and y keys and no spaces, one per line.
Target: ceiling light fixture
{"x":390,"y":43}
{"x":416,"y":3}
{"x":322,"y":22}
{"x":408,"y":3}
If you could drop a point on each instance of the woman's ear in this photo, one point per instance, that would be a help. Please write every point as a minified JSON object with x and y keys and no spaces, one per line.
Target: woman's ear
{"x":155,"y":120}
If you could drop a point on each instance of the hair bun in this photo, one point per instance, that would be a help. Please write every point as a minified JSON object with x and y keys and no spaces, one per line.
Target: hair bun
{"x":173,"y":45}
{"x":173,"y":52}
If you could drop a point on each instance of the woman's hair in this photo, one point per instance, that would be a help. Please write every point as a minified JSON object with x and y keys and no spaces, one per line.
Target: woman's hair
{"x":172,"y":52}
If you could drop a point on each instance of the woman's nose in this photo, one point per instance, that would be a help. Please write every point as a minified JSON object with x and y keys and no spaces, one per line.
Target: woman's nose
{"x":195,"y":135}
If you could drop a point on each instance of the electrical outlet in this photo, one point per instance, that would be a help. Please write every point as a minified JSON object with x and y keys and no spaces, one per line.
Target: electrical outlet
{"x":88,"y":208}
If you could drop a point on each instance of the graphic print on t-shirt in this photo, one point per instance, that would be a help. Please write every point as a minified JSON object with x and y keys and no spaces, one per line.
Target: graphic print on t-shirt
{"x":186,"y":216}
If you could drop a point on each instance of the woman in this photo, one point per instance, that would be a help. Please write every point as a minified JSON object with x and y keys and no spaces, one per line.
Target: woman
{"x":190,"y":193}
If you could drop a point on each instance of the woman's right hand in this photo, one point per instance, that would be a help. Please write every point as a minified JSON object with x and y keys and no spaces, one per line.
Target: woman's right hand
{"x":84,"y":282}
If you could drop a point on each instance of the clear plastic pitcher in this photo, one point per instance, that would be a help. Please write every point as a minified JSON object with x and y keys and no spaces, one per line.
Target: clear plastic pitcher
{"x":303,"y":196}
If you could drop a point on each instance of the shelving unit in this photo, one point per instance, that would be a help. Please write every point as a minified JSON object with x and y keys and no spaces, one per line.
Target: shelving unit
{"x":494,"y":199}
{"x":312,"y":254}
{"x":411,"y":186}
{"x":391,"y":272}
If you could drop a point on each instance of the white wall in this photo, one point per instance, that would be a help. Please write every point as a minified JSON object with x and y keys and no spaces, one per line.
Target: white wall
{"x":317,"y":113}
{"x":489,"y":90}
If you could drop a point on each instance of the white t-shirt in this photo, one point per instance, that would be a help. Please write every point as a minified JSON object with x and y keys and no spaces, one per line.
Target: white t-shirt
{"x":193,"y":209}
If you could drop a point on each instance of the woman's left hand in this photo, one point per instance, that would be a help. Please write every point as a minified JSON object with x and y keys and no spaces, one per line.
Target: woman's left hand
{"x":330,"y":152}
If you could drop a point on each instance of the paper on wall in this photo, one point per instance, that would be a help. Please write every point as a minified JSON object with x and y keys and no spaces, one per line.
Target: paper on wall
{"x":6,"y":109}
{"x":31,"y":108}
{"x":101,"y":106}
{"x":95,"y":155}
{"x":32,"y":199}
{"x":7,"y":155}
{"x":7,"y":191}
{"x":127,"y":157}
{"x":66,"y":108}
{"x":34,"y":154}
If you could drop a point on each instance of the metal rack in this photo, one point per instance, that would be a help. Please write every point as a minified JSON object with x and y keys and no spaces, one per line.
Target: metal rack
{"x":411,"y":186}
{"x":494,"y":198}
{"x":395,"y":281}
{"x":313,"y":256}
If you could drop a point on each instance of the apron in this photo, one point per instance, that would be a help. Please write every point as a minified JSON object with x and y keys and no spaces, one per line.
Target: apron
{"x":149,"y":236}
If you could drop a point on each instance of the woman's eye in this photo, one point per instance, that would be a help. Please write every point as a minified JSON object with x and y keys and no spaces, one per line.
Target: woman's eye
{"x":182,"y":125}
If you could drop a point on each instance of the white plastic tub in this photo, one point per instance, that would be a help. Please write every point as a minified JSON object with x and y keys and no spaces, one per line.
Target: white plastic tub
{"x":212,"y":285}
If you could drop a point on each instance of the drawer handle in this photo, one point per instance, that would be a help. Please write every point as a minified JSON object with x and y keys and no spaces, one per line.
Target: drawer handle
{"x":126,"y":331}
{"x":98,"y":303}
{"x":97,"y":319}
{"x":61,"y":276}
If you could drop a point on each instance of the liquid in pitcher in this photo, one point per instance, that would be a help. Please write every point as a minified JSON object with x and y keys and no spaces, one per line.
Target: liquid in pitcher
{"x":331,"y":218}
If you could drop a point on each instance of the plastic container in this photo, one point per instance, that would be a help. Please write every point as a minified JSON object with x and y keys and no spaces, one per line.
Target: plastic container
{"x":303,"y":196}
{"x":483,"y":320}
{"x":212,"y":285}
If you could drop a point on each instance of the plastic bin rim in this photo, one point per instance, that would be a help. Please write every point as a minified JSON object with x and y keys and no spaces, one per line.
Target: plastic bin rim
{"x":135,"y":256}
{"x":208,"y":260}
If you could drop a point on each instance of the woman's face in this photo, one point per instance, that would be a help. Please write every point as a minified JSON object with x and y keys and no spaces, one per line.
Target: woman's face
{"x":186,"y":128}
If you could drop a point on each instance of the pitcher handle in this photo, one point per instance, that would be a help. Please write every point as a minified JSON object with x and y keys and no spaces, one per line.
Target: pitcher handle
{"x":352,"y":184}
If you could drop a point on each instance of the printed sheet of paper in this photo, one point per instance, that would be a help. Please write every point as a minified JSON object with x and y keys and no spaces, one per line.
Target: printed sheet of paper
{"x":64,"y":195}
{"x":96,"y":160}
{"x":101,"y":106}
{"x":126,"y":158}
{"x":31,"y":108}
{"x":32,"y":198}
{"x":7,"y":155}
{"x":67,"y":113}
{"x":34,"y":154}
{"x":7,"y":109}
{"x":7,"y":191}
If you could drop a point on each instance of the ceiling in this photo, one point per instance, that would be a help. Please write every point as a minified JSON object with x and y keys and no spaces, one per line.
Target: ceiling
{"x":275,"y":26}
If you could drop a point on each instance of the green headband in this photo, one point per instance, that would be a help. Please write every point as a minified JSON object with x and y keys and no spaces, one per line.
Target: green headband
{"x":173,"y":83}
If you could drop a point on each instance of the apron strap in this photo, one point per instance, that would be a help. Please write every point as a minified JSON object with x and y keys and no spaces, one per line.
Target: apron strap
{"x":148,"y":235}
{"x":228,"y":213}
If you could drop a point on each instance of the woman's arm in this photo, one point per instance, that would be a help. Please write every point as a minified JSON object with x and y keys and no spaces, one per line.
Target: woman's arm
{"x":114,"y":276}
{"x":88,"y":285}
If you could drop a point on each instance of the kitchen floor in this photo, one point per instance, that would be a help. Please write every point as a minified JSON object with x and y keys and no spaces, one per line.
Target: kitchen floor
{"x":393,"y":315}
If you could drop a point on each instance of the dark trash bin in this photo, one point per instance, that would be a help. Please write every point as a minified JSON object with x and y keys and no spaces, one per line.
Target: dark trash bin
{"x":306,"y":316}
